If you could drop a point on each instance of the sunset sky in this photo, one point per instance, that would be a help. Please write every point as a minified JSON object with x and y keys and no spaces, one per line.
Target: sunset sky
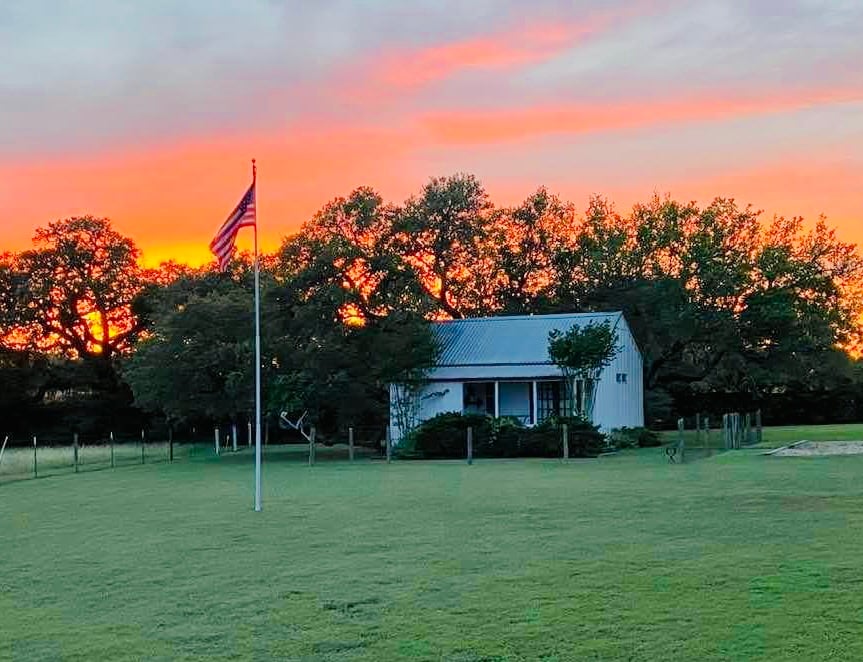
{"x":149,"y":112}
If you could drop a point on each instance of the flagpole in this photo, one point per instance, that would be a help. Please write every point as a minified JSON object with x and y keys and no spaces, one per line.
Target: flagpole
{"x":258,"y":505}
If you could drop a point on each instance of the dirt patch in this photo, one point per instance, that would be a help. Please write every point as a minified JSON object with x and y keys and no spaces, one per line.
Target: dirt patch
{"x":810,"y":448}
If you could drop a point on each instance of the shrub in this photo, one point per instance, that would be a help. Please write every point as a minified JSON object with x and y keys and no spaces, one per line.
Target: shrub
{"x":585,"y":439}
{"x":626,"y":437}
{"x":445,"y":436}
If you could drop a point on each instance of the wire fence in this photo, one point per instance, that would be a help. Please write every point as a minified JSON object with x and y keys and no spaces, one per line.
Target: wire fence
{"x":22,"y":459}
{"x":42,"y":458}
{"x":703,"y":435}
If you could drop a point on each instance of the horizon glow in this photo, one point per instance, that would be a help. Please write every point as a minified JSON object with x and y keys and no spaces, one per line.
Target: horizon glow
{"x":150,"y":117}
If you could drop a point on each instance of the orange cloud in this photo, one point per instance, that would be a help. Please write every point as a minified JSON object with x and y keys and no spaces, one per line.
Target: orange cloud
{"x":476,"y":127}
{"x":171,"y":198}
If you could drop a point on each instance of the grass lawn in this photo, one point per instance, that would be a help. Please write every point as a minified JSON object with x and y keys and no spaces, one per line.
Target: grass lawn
{"x":734,"y":557}
{"x":777,"y":436}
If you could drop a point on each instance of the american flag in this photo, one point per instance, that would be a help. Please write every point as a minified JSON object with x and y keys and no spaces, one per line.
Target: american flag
{"x":243,"y":216}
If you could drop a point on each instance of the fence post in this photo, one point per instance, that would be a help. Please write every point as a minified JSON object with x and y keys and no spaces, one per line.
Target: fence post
{"x":351,"y":443}
{"x":565,"y":432}
{"x":759,"y":434}
{"x":250,"y":433}
{"x":234,"y":436}
{"x":738,"y":430}
{"x":312,"y":447}
{"x":389,"y":444}
{"x":697,"y":429}
{"x":216,"y":432}
{"x":170,"y":443}
{"x":75,"y":450}
{"x":35,"y":462}
{"x":469,"y":445}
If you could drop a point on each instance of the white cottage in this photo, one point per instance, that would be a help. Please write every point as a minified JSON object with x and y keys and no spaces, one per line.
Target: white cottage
{"x":500,"y":366}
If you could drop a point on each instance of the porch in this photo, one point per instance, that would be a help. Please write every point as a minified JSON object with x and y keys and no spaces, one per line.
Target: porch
{"x":529,"y":402}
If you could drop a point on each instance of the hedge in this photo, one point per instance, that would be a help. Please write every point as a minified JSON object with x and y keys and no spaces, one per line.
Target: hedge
{"x":445,"y":437}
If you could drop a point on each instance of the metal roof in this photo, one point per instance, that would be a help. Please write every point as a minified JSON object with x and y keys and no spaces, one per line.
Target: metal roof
{"x":506,"y":341}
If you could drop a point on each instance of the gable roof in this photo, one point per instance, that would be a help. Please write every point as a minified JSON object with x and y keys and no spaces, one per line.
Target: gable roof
{"x":520,"y":340}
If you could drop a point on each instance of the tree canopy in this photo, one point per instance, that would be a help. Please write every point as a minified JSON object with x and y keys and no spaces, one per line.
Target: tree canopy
{"x":72,"y":293}
{"x":726,"y":306}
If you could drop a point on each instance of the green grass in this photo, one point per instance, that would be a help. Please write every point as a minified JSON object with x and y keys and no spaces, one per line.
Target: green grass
{"x":17,"y":462}
{"x":777,"y":436}
{"x":735,"y":557}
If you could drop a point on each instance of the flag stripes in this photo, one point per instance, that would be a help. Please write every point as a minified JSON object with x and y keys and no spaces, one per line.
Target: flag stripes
{"x":243,"y":216}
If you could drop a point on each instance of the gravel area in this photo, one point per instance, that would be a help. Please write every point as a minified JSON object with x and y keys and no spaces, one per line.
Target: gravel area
{"x":807,"y":448}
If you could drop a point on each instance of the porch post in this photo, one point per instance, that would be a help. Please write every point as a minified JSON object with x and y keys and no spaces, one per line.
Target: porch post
{"x":535,"y":411}
{"x":497,"y":399}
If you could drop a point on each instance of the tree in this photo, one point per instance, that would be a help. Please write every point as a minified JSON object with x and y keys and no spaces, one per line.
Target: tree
{"x":442,"y":234}
{"x":198,"y":359}
{"x":337,"y":368}
{"x":73,"y":292}
{"x":582,"y":353}
{"x":525,"y":241}
{"x":346,"y":254}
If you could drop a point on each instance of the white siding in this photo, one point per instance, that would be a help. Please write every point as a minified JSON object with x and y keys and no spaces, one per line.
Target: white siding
{"x":436,"y":398}
{"x":621,"y":404}
{"x":618,"y":403}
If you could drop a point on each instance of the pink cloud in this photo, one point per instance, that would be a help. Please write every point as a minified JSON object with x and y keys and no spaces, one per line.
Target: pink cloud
{"x":490,"y":126}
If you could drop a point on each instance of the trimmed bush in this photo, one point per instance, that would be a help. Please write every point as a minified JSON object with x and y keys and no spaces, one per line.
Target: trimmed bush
{"x":634,"y":438}
{"x":585,"y":439}
{"x":445,"y":437}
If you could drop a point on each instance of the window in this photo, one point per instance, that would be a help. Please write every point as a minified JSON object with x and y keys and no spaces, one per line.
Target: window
{"x":478,"y":398}
{"x":621,"y":378}
{"x":553,"y":400}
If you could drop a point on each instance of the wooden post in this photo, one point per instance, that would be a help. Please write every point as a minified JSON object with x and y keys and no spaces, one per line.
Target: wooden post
{"x":565,"y":432}
{"x":35,"y":461}
{"x":351,"y":444}
{"x":759,"y":427}
{"x":111,"y":441}
{"x":470,"y":445}
{"x":726,"y":431}
{"x":234,"y":437}
{"x":75,"y":450}
{"x":250,"y":433}
{"x":170,"y":443}
{"x":389,"y":444}
{"x":738,"y":425}
{"x":217,"y":441}
{"x":312,"y":447}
